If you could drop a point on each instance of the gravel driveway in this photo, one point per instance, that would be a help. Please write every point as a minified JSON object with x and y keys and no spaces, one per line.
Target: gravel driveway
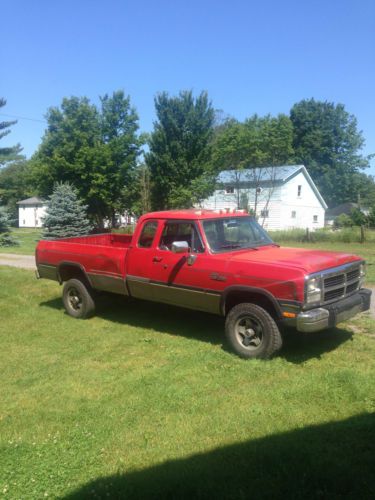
{"x":22,"y":261}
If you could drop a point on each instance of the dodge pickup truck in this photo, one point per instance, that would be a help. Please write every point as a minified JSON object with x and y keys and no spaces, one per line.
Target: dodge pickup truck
{"x":221,"y":262}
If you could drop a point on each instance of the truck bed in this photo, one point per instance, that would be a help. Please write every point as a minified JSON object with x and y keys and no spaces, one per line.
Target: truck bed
{"x":99,"y":256}
{"x":107,"y":239}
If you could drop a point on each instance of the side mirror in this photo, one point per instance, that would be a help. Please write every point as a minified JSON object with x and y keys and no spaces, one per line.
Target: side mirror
{"x":180,"y":247}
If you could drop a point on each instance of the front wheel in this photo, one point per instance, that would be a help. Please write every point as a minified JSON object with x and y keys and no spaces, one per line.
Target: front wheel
{"x":252,"y":332}
{"x":78,"y":300}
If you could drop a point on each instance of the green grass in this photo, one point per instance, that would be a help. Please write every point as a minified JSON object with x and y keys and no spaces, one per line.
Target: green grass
{"x":143,"y":401}
{"x":27,"y":239}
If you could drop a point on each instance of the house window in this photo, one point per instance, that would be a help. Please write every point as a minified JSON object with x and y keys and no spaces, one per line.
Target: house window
{"x":315,"y":218}
{"x":264,"y":214}
{"x":229,"y":190}
{"x":294,"y":214}
{"x":299,"y":190}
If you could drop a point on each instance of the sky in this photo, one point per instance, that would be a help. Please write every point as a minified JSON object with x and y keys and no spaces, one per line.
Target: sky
{"x":250,"y":56}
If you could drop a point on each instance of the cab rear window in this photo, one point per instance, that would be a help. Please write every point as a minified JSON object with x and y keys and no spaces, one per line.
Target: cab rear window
{"x":148,"y":234}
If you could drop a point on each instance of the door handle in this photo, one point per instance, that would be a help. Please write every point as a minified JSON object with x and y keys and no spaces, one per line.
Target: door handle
{"x":157,"y":259}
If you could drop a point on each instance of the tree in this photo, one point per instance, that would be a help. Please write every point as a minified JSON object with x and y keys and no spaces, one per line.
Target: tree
{"x":327,"y":142}
{"x":6,"y":239}
{"x":179,"y":156}
{"x":257,"y":142}
{"x":66,"y":215}
{"x":252,"y":150}
{"x":14,"y":185}
{"x":119,"y":125}
{"x":93,"y":149}
{"x":8,"y":153}
{"x":141,"y":190}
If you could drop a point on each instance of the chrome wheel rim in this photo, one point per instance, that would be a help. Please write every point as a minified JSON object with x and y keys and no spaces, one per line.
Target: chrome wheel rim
{"x":249,"y":332}
{"x":74,"y":299}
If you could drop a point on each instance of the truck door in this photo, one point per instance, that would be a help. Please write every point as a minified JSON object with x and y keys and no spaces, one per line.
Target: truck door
{"x":139,"y":265}
{"x":174,"y":278}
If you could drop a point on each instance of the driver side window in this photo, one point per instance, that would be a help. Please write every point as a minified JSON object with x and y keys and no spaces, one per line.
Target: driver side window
{"x":180,"y":231}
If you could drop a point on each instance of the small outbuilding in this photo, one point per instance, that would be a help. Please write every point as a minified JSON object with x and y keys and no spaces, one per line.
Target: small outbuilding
{"x":31,"y":211}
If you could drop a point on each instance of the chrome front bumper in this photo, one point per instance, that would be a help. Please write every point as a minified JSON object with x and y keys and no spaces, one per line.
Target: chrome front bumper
{"x":321,"y":318}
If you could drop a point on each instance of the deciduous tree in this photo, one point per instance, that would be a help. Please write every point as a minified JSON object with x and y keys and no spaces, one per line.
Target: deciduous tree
{"x":93,"y":149}
{"x":179,"y":156}
{"x":328,"y":142}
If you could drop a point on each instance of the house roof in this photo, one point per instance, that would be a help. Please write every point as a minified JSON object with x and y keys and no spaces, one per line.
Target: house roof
{"x":280,"y":173}
{"x":34,"y":200}
{"x":266,"y":175}
{"x":344,"y":208}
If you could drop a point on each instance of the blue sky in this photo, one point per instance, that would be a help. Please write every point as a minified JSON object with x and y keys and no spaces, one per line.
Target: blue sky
{"x":251,"y":57}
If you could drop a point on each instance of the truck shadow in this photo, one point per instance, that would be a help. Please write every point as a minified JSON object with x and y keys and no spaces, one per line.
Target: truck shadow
{"x":297,"y":347}
{"x":332,"y":460}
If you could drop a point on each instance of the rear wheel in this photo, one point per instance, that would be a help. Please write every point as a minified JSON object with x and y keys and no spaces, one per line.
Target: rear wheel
{"x":78,"y":300}
{"x":252,"y":332}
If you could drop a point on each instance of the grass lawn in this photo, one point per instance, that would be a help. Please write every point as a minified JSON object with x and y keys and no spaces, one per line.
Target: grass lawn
{"x":143,"y":401}
{"x":27,"y":239}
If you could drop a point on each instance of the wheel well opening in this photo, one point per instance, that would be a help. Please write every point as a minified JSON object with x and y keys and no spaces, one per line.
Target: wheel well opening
{"x":69,"y":271}
{"x":261,"y":300}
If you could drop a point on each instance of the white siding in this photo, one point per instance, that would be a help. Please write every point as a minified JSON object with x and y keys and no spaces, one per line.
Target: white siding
{"x":280,"y":201}
{"x":306,"y":206}
{"x":31,"y":215}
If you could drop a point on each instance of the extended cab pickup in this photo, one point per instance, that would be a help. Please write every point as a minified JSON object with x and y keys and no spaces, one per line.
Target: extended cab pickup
{"x":219,"y":262}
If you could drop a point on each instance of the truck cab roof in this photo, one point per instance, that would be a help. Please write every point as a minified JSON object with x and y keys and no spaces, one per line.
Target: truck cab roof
{"x":195,"y":214}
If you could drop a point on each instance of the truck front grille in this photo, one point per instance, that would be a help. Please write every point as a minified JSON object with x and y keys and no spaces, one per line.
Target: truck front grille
{"x":339,"y":284}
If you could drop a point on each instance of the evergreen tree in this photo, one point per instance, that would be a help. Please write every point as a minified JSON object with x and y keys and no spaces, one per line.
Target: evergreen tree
{"x":9,"y":153}
{"x":6,"y":239}
{"x":66,"y":215}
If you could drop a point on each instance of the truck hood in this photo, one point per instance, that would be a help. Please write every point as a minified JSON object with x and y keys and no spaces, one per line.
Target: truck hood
{"x":310,"y":261}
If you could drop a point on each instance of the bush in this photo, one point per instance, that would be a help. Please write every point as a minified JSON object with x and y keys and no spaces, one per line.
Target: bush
{"x":7,"y":240}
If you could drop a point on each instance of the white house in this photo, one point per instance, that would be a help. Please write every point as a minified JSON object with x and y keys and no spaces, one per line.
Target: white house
{"x":283,"y":197}
{"x":30,"y":212}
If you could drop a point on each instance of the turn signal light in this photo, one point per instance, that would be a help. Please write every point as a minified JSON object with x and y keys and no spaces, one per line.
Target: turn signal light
{"x":289,"y":314}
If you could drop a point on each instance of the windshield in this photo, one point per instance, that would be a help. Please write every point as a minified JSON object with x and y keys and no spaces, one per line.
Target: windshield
{"x":235,"y":232}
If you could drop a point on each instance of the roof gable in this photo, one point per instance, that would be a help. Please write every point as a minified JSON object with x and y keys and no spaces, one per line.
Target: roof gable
{"x":34,"y":200}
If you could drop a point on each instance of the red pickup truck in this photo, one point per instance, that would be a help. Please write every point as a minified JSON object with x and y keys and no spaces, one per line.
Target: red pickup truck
{"x":220,"y":262}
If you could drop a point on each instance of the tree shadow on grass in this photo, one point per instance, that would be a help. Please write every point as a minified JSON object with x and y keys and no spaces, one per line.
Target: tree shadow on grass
{"x":297,"y":347}
{"x":330,"y":461}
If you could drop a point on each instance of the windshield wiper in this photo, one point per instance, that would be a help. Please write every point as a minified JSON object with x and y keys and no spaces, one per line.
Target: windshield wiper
{"x":232,"y":245}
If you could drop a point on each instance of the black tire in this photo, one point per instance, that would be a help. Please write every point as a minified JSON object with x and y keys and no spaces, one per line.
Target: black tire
{"x":78,"y":299}
{"x":252,"y":332}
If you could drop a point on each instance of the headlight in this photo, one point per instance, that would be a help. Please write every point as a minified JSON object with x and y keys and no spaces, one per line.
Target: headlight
{"x":313,"y":290}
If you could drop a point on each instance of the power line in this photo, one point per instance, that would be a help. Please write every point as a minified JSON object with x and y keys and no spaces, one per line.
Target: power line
{"x":23,"y":118}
